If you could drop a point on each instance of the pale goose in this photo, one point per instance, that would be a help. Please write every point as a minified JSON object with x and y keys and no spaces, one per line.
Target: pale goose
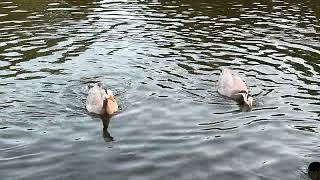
{"x":101,"y":101}
{"x":232,"y":86}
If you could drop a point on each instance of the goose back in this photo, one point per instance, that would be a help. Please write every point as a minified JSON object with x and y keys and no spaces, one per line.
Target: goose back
{"x":230,"y":85}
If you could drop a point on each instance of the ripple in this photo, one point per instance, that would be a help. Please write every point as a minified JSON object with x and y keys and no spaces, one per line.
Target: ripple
{"x":4,"y":63}
{"x":162,"y":60}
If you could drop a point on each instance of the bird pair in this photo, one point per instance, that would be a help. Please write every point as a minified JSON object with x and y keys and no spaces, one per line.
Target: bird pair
{"x":102,"y":101}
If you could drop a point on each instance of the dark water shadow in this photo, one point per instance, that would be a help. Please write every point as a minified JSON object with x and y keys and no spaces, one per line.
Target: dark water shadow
{"x":105,"y":119}
{"x":105,"y":133}
{"x":314,"y":170}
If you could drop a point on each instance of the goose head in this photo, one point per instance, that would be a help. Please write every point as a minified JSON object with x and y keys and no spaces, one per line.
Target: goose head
{"x":246,"y":100}
{"x":110,"y":103}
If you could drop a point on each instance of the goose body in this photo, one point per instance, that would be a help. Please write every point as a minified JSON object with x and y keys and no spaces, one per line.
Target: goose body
{"x":232,"y":86}
{"x":101,"y":101}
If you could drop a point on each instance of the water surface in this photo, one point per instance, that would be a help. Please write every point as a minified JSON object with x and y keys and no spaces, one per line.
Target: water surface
{"x":162,"y":59}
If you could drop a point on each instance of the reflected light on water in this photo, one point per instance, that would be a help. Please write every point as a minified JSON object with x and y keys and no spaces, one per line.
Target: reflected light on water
{"x":163,"y":59}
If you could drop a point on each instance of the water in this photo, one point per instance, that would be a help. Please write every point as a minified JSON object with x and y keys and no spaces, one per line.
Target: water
{"x":162,"y":59}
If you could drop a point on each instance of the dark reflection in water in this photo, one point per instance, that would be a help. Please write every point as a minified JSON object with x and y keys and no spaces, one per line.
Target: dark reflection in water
{"x":163,"y":58}
{"x":314,"y":170}
{"x":105,"y":133}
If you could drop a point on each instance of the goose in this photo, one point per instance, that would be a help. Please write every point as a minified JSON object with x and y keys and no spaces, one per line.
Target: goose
{"x":232,"y":86}
{"x":101,"y":101}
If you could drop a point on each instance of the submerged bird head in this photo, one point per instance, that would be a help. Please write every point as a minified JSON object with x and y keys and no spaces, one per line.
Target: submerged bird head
{"x":246,"y":100}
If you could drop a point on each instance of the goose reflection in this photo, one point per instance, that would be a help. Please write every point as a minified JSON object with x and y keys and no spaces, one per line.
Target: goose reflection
{"x":105,"y":123}
{"x":232,"y":86}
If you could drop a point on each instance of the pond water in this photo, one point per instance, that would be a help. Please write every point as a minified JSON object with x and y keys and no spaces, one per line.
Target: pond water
{"x":162,"y":59}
